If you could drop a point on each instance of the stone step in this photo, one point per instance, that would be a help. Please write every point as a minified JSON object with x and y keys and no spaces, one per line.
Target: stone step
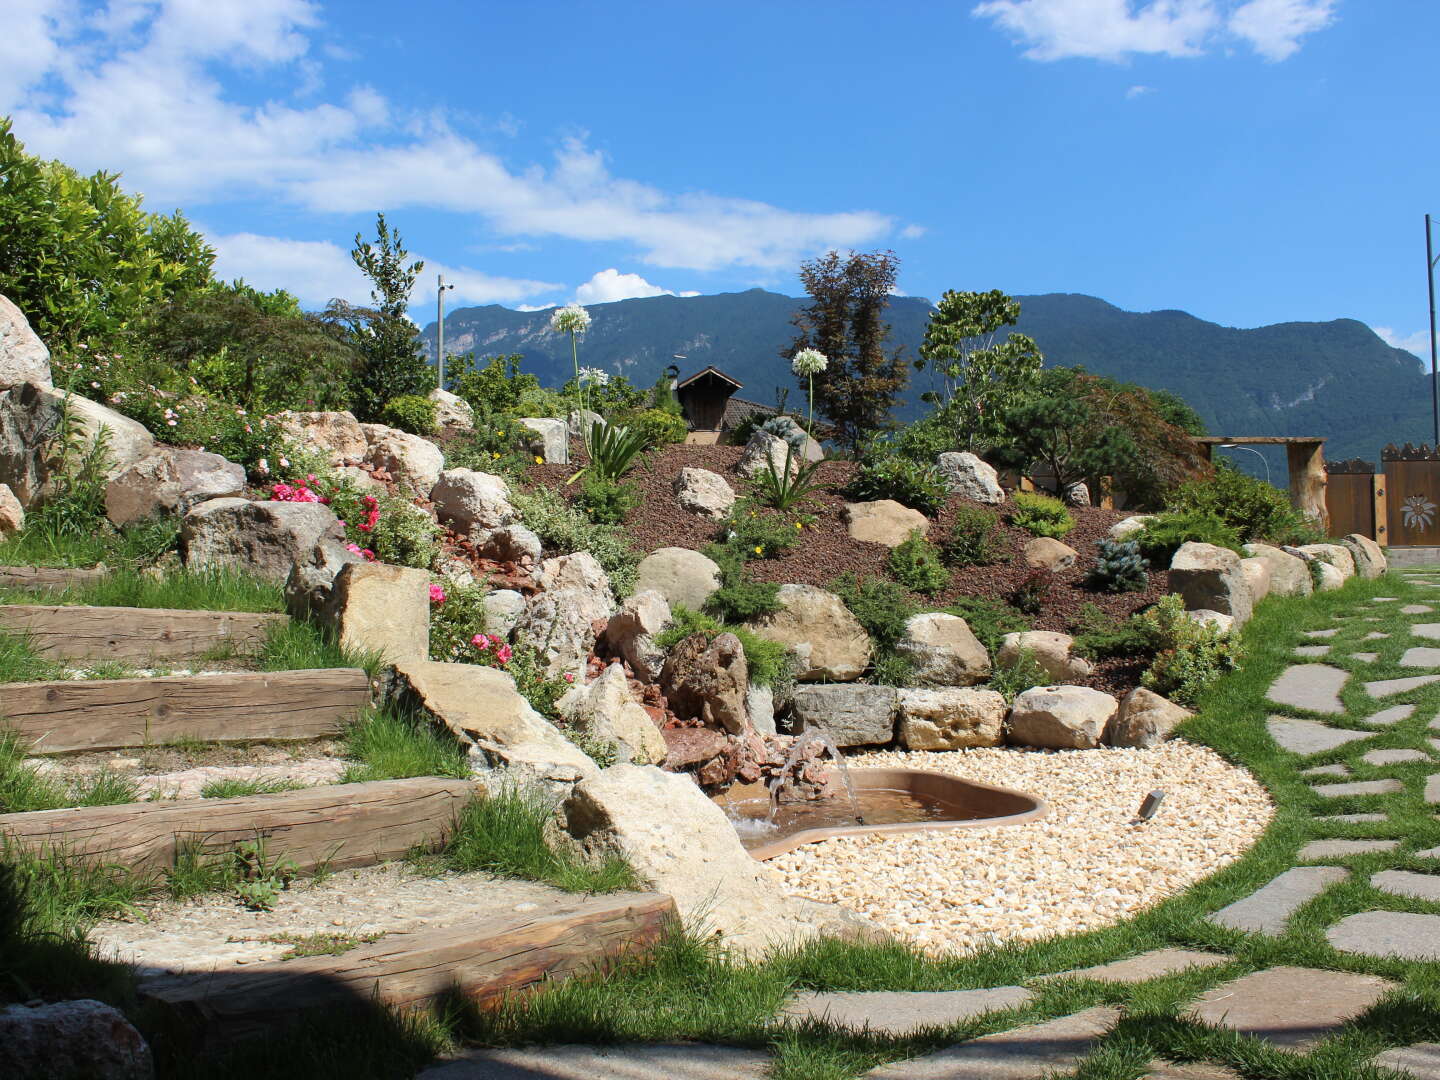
{"x":1025,"y":1053}
{"x":1322,"y":633}
{"x":1421,"y":1061}
{"x":1406,"y":883}
{"x":1151,"y":965}
{"x":1309,"y":736}
{"x":1341,"y":849}
{"x":1336,"y":769}
{"x":1429,"y":630}
{"x":1365,"y":657}
{"x":1354,"y":819}
{"x":1267,"y":910}
{"x":1388,"y":933}
{"x":1432,"y":789}
{"x":901,"y":1013}
{"x":684,"y":1061}
{"x":1290,"y":1008}
{"x":1313,"y":687}
{"x":1416,"y":609}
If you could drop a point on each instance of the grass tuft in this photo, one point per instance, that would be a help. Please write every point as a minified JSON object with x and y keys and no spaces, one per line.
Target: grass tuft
{"x":395,"y":744}
{"x":236,"y":789}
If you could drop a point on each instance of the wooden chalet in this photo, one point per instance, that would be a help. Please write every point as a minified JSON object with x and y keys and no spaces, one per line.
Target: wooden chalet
{"x":710,"y":406}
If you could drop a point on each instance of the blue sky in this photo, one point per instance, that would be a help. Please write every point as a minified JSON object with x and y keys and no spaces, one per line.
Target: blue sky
{"x":1249,"y":161}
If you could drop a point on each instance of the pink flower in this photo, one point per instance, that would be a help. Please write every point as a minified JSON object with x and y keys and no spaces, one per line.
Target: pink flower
{"x":437,"y":594}
{"x":480,"y":641}
{"x":369,"y":555}
{"x":354,"y":549}
{"x":569,"y":676}
{"x":504,"y":653}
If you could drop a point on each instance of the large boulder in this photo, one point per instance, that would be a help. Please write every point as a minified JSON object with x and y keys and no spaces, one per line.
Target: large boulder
{"x":969,"y":477}
{"x":506,"y":741}
{"x":951,"y":718}
{"x":375,"y":607}
{"x":1327,"y":576}
{"x":684,"y":577}
{"x":1145,"y":719}
{"x":510,"y":543}
{"x":1047,"y":553}
{"x":579,"y":570}
{"x":309,"y":585}
{"x":338,"y":434}
{"x":702,"y":492}
{"x":412,"y":462}
{"x":265,"y":539}
{"x":1370,"y":561}
{"x":1289,"y":574}
{"x":467,"y":500}
{"x":452,"y":412}
{"x":548,"y":439}
{"x":68,"y":1040}
{"x":606,"y":710}
{"x":169,"y":481}
{"x":816,"y":625}
{"x":1209,"y":578}
{"x":1257,"y":576}
{"x":563,"y":625}
{"x":680,"y":843}
{"x":707,"y":680}
{"x":631,"y":633}
{"x":1337,"y":555}
{"x":12,"y":514}
{"x":848,"y":714}
{"x":1061,"y":717}
{"x":30,"y":416}
{"x":503,"y":609}
{"x":765,"y":452}
{"x":1052,"y":651}
{"x":884,"y":521}
{"x":942,"y":651}
{"x":23,"y":356}
{"x":1125,"y":528}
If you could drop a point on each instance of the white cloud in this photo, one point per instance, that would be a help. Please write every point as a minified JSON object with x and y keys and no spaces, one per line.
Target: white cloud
{"x":133,"y":86}
{"x":317,"y":271}
{"x":1117,"y":29}
{"x":912,"y":232}
{"x":28,"y":47}
{"x":607,"y":286}
{"x":1138,"y":91}
{"x":1417,"y":343}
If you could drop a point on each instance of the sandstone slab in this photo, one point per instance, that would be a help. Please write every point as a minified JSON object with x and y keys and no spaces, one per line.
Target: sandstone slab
{"x":1393,"y":757}
{"x":1061,"y":717}
{"x":1343,"y":849}
{"x":1359,"y":788}
{"x":1025,"y":1053}
{"x":1313,"y":687}
{"x":884,"y":521}
{"x":1290,"y":1008}
{"x":1309,"y":736}
{"x":1404,"y":883}
{"x":951,"y":718}
{"x":1386,"y":687}
{"x":375,"y":607}
{"x":685,"y":578}
{"x":1156,"y":964}
{"x":1393,"y":715}
{"x":829,"y":641}
{"x":1398,"y":934}
{"x":1267,"y":910}
{"x":847,"y":714}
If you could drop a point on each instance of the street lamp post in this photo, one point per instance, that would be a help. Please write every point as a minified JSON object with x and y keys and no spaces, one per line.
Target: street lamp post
{"x":1251,"y":449}
{"x":440,"y":288}
{"x":1430,"y":261}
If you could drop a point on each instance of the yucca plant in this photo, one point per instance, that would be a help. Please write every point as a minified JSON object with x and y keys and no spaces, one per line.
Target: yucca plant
{"x":612,"y":449}
{"x":786,"y":488}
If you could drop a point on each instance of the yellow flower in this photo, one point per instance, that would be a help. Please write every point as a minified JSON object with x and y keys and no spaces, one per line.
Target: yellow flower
{"x":798,"y":525}
{"x":539,"y":461}
{"x":759,"y":550}
{"x":495,"y":456}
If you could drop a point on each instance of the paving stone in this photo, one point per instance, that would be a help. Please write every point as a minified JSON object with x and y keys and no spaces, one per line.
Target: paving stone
{"x":1340,"y":849}
{"x":1393,"y":715}
{"x":1359,"y":787}
{"x":1388,"y":933}
{"x":1026,"y":1053}
{"x":902,"y":1013}
{"x":1268,"y":909}
{"x":1383,"y":599}
{"x":1313,"y":650}
{"x":1415,"y":609}
{"x":1290,"y":1008}
{"x":1323,"y":633}
{"x":1336,"y":769}
{"x":1421,"y":1060}
{"x":1427,"y":630}
{"x":1195,"y":1070}
{"x":1393,"y":757}
{"x":1315,"y":687}
{"x":1419,"y":656}
{"x":1354,"y":819}
{"x":1432,"y":789}
{"x":1375,"y":635}
{"x":1365,"y":657}
{"x":1428,"y":853}
{"x":1386,"y":687}
{"x":1405,"y":883}
{"x":1150,"y":965}
{"x":658,"y":1062}
{"x":1309,"y":736}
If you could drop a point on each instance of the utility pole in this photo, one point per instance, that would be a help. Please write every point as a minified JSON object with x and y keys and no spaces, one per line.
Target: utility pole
{"x":1430,"y":261}
{"x":440,"y":288}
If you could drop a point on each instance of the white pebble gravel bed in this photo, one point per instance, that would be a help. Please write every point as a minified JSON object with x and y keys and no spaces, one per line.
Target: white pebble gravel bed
{"x":1086,"y":865}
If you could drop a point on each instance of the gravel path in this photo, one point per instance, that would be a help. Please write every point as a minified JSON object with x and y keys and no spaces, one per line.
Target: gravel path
{"x":1085,"y":866}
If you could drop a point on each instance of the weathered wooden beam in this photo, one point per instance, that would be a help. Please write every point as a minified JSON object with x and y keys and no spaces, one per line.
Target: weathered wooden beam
{"x":49,"y":577}
{"x":107,"y":714}
{"x":340,"y":825}
{"x":484,"y":960}
{"x":143,"y":634}
{"x":1307,"y":481}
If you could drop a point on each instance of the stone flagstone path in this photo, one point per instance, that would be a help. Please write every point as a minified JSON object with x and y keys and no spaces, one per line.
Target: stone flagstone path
{"x":1026,"y":1053}
{"x":1290,"y":1008}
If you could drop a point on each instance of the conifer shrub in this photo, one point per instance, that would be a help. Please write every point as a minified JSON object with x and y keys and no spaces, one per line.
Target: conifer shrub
{"x":974,"y":538}
{"x":1119,"y":567}
{"x":1041,"y":515}
{"x":916,"y":564}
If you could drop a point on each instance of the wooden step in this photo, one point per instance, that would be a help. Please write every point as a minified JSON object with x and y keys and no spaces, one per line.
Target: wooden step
{"x":49,"y":577}
{"x":339,"y":826}
{"x":134,"y":634}
{"x":484,"y":960}
{"x":108,"y":714}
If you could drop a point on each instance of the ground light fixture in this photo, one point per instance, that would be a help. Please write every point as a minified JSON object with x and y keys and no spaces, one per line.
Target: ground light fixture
{"x":1151,"y":806}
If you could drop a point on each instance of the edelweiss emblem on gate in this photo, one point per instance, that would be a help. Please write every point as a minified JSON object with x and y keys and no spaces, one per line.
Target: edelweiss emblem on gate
{"x":1419,"y":512}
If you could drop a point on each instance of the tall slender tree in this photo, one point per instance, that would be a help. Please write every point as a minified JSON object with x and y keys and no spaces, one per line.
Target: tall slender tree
{"x":860,"y":385}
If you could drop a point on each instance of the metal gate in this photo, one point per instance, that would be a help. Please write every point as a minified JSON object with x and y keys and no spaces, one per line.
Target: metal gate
{"x":1412,"y":477}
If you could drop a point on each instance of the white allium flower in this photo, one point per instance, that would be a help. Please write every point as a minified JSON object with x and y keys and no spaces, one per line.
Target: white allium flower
{"x":594,"y":376}
{"x":809,"y":362}
{"x":573,"y":319}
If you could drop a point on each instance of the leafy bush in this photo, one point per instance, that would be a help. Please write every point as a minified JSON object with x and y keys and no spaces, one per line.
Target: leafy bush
{"x":1252,"y":508}
{"x":768,"y":661}
{"x":1100,"y":636}
{"x":1164,"y":533}
{"x":455,"y":620}
{"x":1032,"y":594}
{"x":1012,"y":680}
{"x":916,"y":564}
{"x":1041,"y":515}
{"x":659,"y":427}
{"x":757,"y":534}
{"x":412,"y":413}
{"x":908,"y":482}
{"x":1192,"y":655}
{"x":739,"y":599}
{"x":974,"y":538}
{"x":879,"y":605}
{"x":1119,"y":567}
{"x":989,"y":620}
{"x":606,"y":502}
{"x":565,"y":530}
{"x":497,"y":388}
{"x":392,"y":529}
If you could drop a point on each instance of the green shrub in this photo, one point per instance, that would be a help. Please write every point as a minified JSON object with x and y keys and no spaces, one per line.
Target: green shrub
{"x":606,"y":502}
{"x":1041,"y":515}
{"x":888,"y":476}
{"x":974,"y":539}
{"x":1164,"y":533}
{"x":412,"y":413}
{"x":989,"y":620}
{"x":1100,"y":636}
{"x":1192,"y":655}
{"x":455,"y":620}
{"x":1032,"y":594}
{"x":1012,"y":680}
{"x":1119,"y":567}
{"x":787,"y":487}
{"x":916,"y":565}
{"x":497,"y":388}
{"x":739,"y":598}
{"x":393,"y":529}
{"x":1252,"y":508}
{"x":660,"y":427}
{"x":498,"y":445}
{"x":756,"y":533}
{"x":891,"y":668}
{"x":565,"y":530}
{"x":881,"y":606}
